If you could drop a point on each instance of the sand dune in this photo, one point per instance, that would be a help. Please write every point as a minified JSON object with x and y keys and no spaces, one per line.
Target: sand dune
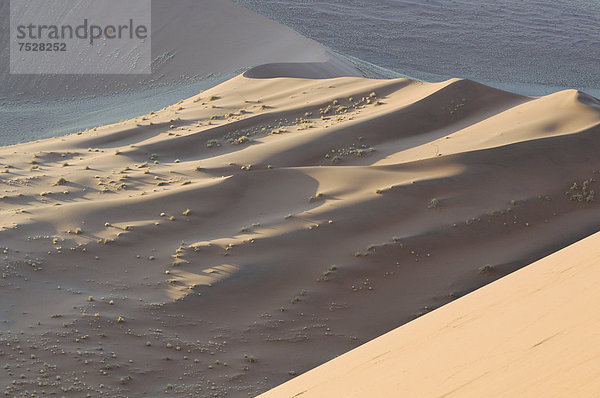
{"x":531,"y":334}
{"x":333,"y":67}
{"x":245,"y":235}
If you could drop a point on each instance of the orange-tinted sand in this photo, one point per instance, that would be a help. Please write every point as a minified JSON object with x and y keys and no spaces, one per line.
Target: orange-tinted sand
{"x":533,"y":333}
{"x":243,"y":236}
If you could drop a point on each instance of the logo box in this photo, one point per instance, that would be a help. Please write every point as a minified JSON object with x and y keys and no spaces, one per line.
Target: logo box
{"x":80,"y":37}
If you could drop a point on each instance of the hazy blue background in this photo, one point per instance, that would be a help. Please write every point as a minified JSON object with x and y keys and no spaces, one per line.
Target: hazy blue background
{"x":530,"y":46}
{"x":29,"y":120}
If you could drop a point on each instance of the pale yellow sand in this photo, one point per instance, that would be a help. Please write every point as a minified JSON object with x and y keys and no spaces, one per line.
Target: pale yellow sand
{"x":332,"y":222}
{"x":533,"y":333}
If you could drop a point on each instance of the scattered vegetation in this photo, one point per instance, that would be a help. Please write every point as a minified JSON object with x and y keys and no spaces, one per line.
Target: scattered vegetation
{"x":327,"y":274}
{"x":582,"y":193}
{"x":297,"y":298}
{"x":213,"y":143}
{"x":433,"y":203}
{"x":242,"y":140}
{"x":486,"y":269}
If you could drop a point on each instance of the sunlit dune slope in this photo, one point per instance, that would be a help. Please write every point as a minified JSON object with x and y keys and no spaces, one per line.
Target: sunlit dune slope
{"x":274,"y":223}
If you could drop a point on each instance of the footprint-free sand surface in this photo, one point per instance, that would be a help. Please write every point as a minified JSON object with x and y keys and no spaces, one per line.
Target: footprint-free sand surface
{"x":225,"y":244}
{"x":532,"y":334}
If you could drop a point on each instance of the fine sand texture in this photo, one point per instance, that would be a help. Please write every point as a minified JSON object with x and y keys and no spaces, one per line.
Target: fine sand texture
{"x":225,"y":244}
{"x":533,"y":333}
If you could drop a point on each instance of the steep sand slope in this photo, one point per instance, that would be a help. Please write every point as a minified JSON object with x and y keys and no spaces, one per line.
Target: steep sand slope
{"x":267,"y":225}
{"x":533,"y":333}
{"x":190,"y":39}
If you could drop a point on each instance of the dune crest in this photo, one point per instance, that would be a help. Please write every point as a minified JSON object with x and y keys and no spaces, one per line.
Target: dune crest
{"x":267,"y":217}
{"x":335,"y":67}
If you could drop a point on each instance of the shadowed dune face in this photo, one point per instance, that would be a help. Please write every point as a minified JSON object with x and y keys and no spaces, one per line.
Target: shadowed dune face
{"x":523,"y":335}
{"x":267,"y":225}
{"x":315,"y":70}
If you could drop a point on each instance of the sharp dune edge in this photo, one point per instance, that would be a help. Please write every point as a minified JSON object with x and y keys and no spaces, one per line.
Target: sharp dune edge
{"x":225,"y":244}
{"x":531,"y":334}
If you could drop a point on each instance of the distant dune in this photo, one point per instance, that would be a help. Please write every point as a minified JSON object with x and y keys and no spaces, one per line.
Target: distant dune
{"x":191,"y":39}
{"x":236,"y":239}
{"x":532,"y":334}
